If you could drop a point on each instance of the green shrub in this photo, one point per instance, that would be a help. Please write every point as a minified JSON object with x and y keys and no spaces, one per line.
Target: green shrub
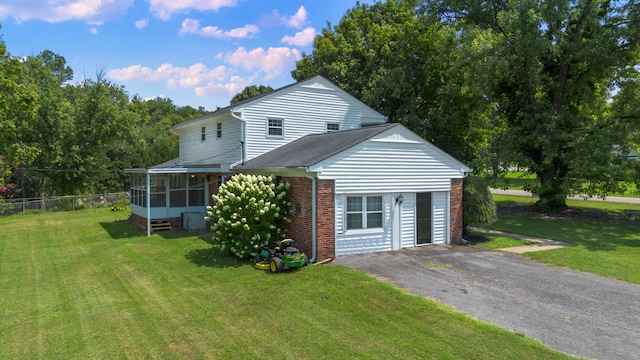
{"x":478,"y":206}
{"x":248,"y":211}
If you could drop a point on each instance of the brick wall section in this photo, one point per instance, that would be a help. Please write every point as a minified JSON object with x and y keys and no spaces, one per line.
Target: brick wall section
{"x":300,"y":228}
{"x":325,"y":244}
{"x":456,"y":211}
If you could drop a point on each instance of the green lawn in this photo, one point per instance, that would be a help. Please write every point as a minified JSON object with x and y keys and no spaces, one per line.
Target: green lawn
{"x":87,"y":285}
{"x":604,"y":241}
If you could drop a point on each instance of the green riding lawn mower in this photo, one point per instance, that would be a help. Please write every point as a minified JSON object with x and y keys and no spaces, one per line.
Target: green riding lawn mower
{"x":283,"y":256}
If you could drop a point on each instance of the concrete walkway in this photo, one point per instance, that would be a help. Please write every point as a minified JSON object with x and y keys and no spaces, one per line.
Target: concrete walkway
{"x":617,"y":199}
{"x":540,"y":244}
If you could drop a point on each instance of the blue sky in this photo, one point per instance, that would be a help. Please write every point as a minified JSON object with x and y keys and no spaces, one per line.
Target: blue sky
{"x":195,"y":52}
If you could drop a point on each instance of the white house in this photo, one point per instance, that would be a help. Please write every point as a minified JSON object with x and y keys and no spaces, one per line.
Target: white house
{"x":359,"y":184}
{"x":212,"y":144}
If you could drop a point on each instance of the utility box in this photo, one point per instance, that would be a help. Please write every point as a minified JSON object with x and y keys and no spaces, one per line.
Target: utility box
{"x":193,"y":221}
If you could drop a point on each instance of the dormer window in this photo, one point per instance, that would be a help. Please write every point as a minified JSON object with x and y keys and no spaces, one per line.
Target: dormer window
{"x":275,"y":127}
{"x":332,"y":126}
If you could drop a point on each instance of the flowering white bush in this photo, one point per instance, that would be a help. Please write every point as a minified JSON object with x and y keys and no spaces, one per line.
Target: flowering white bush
{"x":248,"y":211}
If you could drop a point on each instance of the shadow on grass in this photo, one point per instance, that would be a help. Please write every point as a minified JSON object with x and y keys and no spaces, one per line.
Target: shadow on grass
{"x":210,"y":258}
{"x":121,"y":229}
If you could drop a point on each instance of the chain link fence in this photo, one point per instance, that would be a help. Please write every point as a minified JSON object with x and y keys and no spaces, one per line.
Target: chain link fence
{"x":61,"y":203}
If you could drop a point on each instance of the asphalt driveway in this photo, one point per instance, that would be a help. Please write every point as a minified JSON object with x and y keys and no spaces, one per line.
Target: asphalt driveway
{"x":576,"y":313}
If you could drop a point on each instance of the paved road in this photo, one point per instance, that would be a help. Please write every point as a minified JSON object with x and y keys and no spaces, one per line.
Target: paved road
{"x":576,"y":313}
{"x":577,"y":197}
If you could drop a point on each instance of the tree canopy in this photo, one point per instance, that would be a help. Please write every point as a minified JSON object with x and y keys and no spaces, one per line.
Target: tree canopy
{"x":58,"y":138}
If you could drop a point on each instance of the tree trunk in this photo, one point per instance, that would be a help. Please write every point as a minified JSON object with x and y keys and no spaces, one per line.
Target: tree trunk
{"x":552,"y":194}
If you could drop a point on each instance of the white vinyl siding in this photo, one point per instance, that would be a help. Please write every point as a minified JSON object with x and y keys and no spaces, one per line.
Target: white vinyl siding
{"x":440,"y":224}
{"x":408,"y":221}
{"x":306,"y":109}
{"x":224,"y":150}
{"x":391,"y":165}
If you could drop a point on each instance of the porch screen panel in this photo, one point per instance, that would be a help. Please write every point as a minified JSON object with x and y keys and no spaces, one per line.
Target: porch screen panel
{"x":178,"y":191}
{"x":196,"y":190}
{"x":158,"y":192}
{"x":138,"y":190}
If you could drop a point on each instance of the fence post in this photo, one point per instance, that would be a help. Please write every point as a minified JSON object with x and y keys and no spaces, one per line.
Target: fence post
{"x":24,"y":207}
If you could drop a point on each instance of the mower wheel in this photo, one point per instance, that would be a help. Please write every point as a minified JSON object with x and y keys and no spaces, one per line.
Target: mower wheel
{"x":306,"y":261}
{"x":275,"y":265}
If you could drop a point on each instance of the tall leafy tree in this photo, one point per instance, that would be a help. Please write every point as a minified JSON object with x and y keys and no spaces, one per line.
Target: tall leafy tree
{"x":557,"y":63}
{"x":51,"y":125}
{"x":16,"y":102}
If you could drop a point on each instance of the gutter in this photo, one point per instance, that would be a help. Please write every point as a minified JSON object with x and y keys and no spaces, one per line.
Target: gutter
{"x":314,"y":217}
{"x":242,"y":137}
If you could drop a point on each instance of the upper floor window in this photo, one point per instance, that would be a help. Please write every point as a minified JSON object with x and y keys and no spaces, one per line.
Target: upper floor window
{"x":219,"y":130}
{"x":203,"y":133}
{"x":275,"y":127}
{"x":333,"y":127}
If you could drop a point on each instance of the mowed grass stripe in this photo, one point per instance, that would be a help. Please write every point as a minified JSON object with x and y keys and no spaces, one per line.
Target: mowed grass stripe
{"x":85,"y":285}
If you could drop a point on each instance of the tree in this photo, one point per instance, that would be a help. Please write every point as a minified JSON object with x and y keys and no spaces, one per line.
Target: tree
{"x":556,"y":64}
{"x":17,"y":101}
{"x":247,"y":213}
{"x":410,"y":67}
{"x":250,"y":92}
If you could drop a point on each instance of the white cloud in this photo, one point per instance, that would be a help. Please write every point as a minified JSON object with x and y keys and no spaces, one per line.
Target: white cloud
{"x":93,"y":30}
{"x":203,"y":81}
{"x":194,"y":76}
{"x":302,"y":38}
{"x":192,"y":26}
{"x":90,"y":11}
{"x":272,"y":62}
{"x":297,"y":20}
{"x":165,"y":8}
{"x":235,"y":85}
{"x":142,"y":23}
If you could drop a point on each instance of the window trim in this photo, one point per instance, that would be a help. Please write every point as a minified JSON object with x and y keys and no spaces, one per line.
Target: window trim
{"x":268,"y":127}
{"x":326,"y":128}
{"x":364,"y":212}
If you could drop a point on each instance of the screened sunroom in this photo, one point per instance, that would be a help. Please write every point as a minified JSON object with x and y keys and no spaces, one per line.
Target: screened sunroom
{"x":169,"y":193}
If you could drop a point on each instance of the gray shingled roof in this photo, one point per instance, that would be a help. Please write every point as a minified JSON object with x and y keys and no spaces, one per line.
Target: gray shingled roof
{"x":312,"y":149}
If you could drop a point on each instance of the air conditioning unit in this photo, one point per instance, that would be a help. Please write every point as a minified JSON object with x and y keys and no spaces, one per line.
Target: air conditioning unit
{"x":193,"y":221}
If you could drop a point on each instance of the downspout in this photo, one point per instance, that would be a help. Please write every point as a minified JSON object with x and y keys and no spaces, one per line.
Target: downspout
{"x":314,"y":217}
{"x":148,"y":204}
{"x":242,"y":135}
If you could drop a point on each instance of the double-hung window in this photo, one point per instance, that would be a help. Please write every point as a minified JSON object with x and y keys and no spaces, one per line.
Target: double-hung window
{"x":364,"y":212}
{"x":203,"y":133}
{"x":219,"y":130}
{"x":275,"y":127}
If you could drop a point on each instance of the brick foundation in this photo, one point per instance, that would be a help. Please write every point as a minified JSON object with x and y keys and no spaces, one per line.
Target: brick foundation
{"x":455,"y":205}
{"x":300,"y":228}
